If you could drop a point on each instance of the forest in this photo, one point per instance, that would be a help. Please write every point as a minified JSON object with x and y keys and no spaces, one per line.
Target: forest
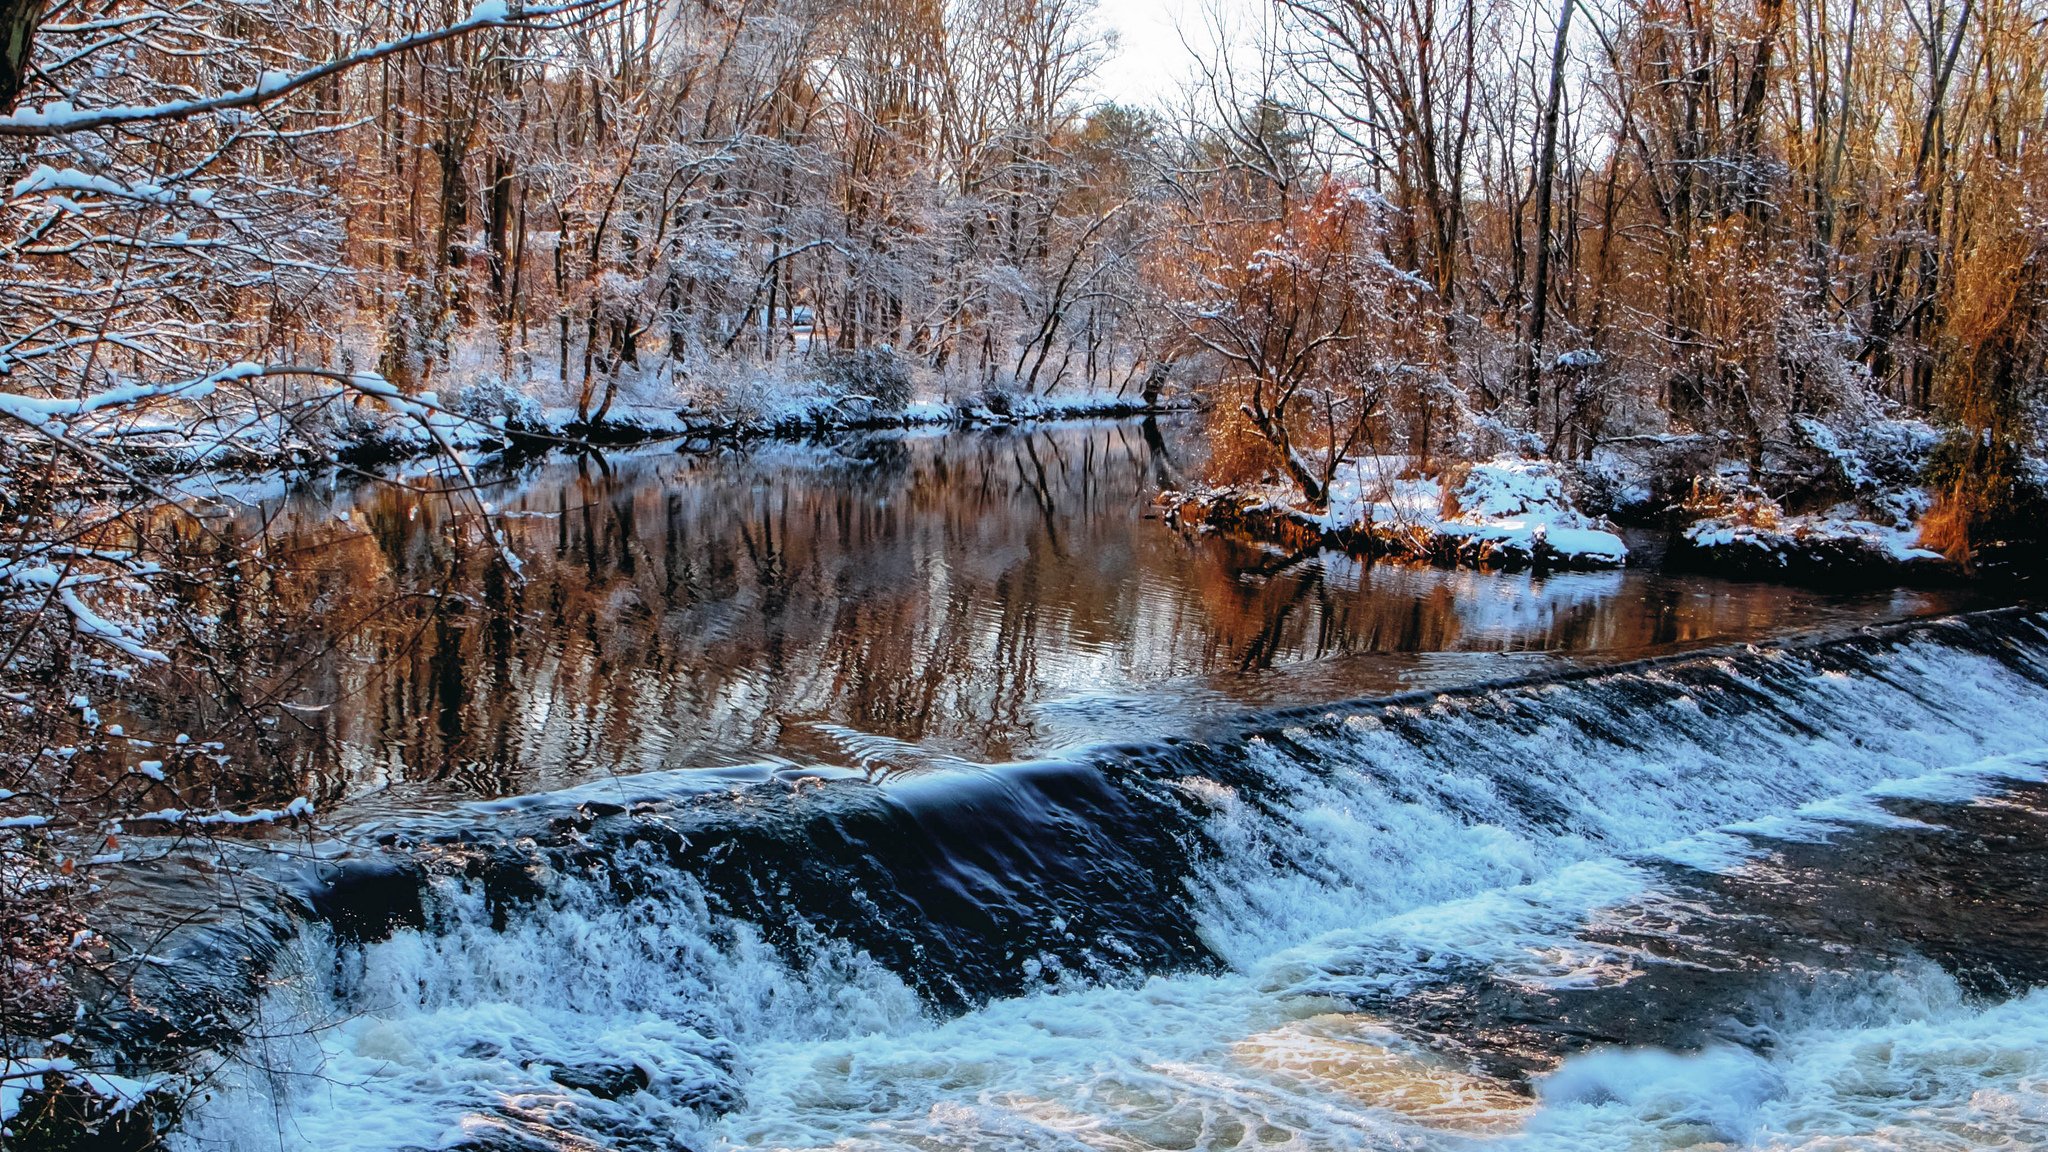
{"x":1749,"y":263}
{"x":1444,"y":226}
{"x":1766,"y":273}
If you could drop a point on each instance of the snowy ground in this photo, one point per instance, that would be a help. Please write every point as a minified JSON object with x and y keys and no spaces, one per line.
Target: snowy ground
{"x":1505,"y":512}
{"x":254,"y":414}
{"x":1502,"y":507}
{"x":1827,"y":502}
{"x":1839,"y":529}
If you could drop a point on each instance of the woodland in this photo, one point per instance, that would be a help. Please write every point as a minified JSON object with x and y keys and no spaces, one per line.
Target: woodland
{"x":1747,"y":241}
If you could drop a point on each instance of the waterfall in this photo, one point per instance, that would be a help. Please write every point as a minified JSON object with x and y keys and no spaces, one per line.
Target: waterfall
{"x":1170,"y":942}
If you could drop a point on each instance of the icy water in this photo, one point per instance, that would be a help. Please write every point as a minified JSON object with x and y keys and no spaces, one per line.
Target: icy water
{"x":1040,"y":827}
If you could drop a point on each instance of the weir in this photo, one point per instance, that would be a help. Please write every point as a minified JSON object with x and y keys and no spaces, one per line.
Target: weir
{"x":649,"y":964}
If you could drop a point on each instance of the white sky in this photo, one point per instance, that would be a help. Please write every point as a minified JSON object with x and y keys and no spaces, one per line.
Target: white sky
{"x":1153,"y":59}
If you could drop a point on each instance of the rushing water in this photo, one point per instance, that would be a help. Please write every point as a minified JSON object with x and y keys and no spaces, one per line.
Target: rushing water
{"x":1065,"y":832}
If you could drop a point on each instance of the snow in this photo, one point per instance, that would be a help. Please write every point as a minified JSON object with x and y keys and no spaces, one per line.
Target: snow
{"x":300,"y":806}
{"x":48,"y":179}
{"x":1838,"y":528}
{"x":84,"y":617}
{"x":40,"y":412}
{"x":62,"y":116}
{"x":1839,"y":495}
{"x":19,"y":1077}
{"x":204,"y":421}
{"x":1500,"y":506}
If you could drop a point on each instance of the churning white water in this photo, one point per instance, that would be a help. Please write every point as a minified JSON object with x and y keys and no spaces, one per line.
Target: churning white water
{"x":1354,"y":876}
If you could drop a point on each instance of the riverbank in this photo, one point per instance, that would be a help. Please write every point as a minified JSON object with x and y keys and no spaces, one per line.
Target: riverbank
{"x":362,"y":420}
{"x":1835,"y":509}
{"x":1502,"y":513}
{"x":1837,"y":548}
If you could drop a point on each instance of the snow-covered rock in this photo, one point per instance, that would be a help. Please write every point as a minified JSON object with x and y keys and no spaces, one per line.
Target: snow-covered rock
{"x":1522,"y":505}
{"x":1501,"y":513}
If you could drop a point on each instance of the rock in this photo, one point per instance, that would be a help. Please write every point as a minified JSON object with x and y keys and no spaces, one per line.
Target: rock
{"x":606,"y":1081}
{"x":365,"y":901}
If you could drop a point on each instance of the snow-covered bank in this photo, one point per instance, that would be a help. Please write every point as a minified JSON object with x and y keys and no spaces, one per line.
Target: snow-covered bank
{"x":1832,"y":543}
{"x":395,"y":440}
{"x":1831,"y":508}
{"x":361,"y":418}
{"x":1830,"y":505}
{"x":1501,"y":513}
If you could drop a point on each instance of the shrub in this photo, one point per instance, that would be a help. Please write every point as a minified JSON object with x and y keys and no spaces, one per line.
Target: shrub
{"x":1984,"y":492}
{"x":877,"y":377}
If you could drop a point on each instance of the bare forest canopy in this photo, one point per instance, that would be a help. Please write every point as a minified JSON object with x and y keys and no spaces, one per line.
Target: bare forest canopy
{"x":1422,"y":219}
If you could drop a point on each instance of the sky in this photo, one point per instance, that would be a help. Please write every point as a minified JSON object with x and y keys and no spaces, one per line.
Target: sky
{"x":1152,"y":58}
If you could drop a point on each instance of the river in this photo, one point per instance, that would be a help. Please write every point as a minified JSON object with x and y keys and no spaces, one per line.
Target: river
{"x":888,"y":602}
{"x":921,"y":791}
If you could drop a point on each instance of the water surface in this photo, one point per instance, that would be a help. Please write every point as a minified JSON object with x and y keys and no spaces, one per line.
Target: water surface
{"x":880,"y":603}
{"x":1780,"y":899}
{"x":924,"y":792}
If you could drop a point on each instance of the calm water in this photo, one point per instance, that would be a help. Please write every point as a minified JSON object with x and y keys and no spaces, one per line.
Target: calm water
{"x":880,"y":604}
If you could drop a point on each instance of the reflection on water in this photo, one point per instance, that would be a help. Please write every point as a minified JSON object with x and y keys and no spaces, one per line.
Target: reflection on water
{"x":877,"y":604}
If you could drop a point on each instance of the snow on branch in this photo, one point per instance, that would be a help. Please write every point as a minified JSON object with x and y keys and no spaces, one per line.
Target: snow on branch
{"x":60,"y":117}
{"x":48,"y":179}
{"x":18,"y":1078}
{"x":299,"y":807}
{"x":63,"y":588}
{"x":38,"y":412}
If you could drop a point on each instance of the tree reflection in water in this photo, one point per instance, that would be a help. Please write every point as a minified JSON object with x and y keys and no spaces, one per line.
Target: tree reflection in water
{"x":878,"y":604}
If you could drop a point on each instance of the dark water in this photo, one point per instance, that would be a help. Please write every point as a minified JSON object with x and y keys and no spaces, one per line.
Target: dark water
{"x":884,"y":603}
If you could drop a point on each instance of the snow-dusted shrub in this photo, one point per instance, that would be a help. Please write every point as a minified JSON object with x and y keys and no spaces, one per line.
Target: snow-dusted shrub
{"x":1728,"y":496}
{"x":1604,"y":487}
{"x":1989,"y":491}
{"x":996,"y":400}
{"x":876,"y":378}
{"x":488,"y":399}
{"x":1506,"y":488}
{"x":358,"y":421}
{"x":787,"y":394}
{"x":1819,"y":362}
{"x":1524,"y":506}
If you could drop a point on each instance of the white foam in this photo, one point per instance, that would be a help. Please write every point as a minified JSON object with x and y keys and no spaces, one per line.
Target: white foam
{"x":1908,"y":1066}
{"x":428,"y":1034}
{"x":1518,"y":818}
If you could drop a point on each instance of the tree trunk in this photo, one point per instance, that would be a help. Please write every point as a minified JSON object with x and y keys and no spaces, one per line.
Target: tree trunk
{"x":18,"y":22}
{"x":1546,"y":177}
